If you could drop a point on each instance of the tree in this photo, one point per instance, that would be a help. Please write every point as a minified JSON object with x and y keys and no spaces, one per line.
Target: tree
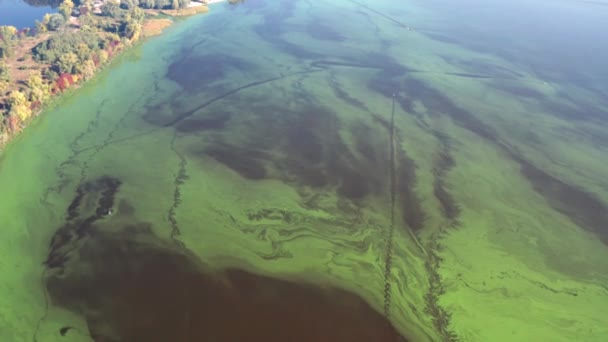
{"x":110,"y":10}
{"x":128,"y":4}
{"x":103,"y":57}
{"x":40,"y":91}
{"x":5,"y":75}
{"x":83,"y":52}
{"x":7,"y":36}
{"x":138,"y":15}
{"x":162,"y":3}
{"x":7,"y":32}
{"x":87,"y":69}
{"x":132,"y":30}
{"x":67,"y":62}
{"x":88,"y":4}
{"x":40,"y":27}
{"x":147,"y":3}
{"x":19,"y":105}
{"x":66,"y":8}
{"x":55,"y":22}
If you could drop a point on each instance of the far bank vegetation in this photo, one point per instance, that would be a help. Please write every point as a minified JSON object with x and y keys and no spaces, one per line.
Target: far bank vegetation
{"x":66,"y":48}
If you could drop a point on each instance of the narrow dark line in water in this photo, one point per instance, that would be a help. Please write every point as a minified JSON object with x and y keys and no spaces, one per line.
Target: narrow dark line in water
{"x":191,"y":112}
{"x":383,"y":15}
{"x":180,"y":178}
{"x":388,"y":257}
{"x":388,"y":68}
{"x":46,"y":305}
{"x":61,"y":175}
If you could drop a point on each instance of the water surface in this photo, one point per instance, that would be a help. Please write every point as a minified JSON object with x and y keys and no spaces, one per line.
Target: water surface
{"x":24,"y":13}
{"x":336,"y":170}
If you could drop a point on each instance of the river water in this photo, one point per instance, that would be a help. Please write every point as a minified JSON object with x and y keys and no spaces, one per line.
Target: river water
{"x":322,"y":171}
{"x":24,"y":13}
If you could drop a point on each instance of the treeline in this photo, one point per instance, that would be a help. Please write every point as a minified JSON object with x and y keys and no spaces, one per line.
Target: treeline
{"x":72,"y":54}
{"x":156,"y":4}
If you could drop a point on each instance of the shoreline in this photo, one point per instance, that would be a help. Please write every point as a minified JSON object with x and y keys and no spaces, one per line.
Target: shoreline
{"x":154,"y":24}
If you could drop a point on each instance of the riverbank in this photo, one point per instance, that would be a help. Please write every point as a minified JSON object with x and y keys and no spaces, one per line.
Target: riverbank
{"x":30,"y":79}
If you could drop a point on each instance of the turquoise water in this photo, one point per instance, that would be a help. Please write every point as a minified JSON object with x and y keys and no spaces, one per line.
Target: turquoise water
{"x":24,"y":13}
{"x":322,"y":171}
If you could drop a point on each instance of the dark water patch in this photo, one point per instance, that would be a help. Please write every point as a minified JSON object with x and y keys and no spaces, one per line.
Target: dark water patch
{"x":518,"y":89}
{"x":574,"y":109}
{"x":480,"y":67}
{"x":376,"y":61}
{"x":299,"y":172}
{"x":272,"y":28}
{"x":64,"y":330}
{"x":319,"y":30}
{"x":442,"y":38}
{"x":245,"y":162}
{"x":385,"y":86}
{"x":135,"y":287}
{"x":93,"y":201}
{"x":584,"y":209}
{"x":363,"y":145}
{"x":175,"y":119}
{"x":437,"y":103}
{"x":125,"y":208}
{"x":411,"y":210}
{"x":304,"y":130}
{"x":304,"y":141}
{"x":443,"y":163}
{"x":198,"y":124}
{"x":343,"y":95}
{"x":195,"y":72}
{"x":354,"y":184}
{"x":467,"y":75}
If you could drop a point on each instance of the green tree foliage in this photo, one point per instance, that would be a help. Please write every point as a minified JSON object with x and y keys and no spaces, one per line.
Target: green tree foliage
{"x":163,"y":3}
{"x":67,"y":53}
{"x":40,"y":91}
{"x":147,"y":3}
{"x":110,"y":9}
{"x":40,"y":27}
{"x":66,"y":8}
{"x":87,"y":69}
{"x":138,"y":14}
{"x":58,"y":45}
{"x":68,"y":62}
{"x":19,"y":105}
{"x":129,"y":4}
{"x":5,"y":76}
{"x":8,"y":35}
{"x":55,"y":22}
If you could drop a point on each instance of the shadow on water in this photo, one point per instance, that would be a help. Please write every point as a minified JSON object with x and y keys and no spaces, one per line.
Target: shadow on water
{"x":130,"y":285}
